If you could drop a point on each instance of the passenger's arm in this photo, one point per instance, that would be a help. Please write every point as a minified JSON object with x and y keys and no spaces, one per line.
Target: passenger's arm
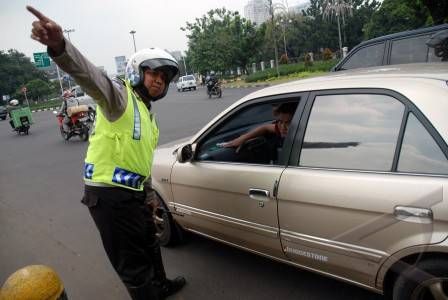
{"x":259,"y":131}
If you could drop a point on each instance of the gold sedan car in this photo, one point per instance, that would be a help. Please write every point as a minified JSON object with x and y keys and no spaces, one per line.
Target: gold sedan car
{"x":345,"y":175}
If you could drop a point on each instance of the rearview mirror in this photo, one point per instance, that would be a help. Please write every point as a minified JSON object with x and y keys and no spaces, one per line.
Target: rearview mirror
{"x":185,"y":153}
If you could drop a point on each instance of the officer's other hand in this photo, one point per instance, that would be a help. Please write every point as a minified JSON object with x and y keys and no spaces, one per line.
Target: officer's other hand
{"x":47,"y":32}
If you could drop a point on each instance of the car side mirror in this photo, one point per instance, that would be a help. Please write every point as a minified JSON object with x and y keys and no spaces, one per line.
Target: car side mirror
{"x":185,"y":153}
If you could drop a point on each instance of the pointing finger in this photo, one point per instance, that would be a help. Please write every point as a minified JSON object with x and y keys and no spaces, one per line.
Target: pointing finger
{"x":37,"y":13}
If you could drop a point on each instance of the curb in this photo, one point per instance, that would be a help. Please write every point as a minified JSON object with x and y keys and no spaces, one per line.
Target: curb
{"x":45,"y":109}
{"x":247,"y":86}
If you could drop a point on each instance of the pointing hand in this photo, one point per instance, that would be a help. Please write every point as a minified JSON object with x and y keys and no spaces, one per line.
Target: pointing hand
{"x":47,"y":32}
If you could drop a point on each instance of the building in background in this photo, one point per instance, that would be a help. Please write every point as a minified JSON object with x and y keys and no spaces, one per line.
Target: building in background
{"x":120,"y":62}
{"x":299,"y":8}
{"x":257,"y":11}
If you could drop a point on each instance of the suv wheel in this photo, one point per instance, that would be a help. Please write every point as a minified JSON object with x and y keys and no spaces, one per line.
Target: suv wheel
{"x":425,"y":281}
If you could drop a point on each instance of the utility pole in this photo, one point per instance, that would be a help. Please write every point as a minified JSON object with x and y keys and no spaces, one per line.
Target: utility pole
{"x":67,"y":31}
{"x":271,"y":11}
{"x":133,"y":38}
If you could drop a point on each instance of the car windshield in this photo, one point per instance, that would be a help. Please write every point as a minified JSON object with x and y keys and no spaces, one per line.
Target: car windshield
{"x":190,"y":77}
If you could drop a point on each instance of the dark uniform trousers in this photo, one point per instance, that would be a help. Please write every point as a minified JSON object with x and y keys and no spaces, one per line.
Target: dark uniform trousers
{"x":125,"y":222}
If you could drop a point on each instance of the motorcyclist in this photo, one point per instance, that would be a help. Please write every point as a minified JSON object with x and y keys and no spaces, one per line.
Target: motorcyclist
{"x":211,"y":81}
{"x":69,"y":100}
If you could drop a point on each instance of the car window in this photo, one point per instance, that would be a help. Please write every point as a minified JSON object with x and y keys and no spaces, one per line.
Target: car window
{"x":409,"y":50}
{"x":420,"y":152}
{"x":264,"y":149}
{"x":435,"y":53}
{"x":354,"y":131}
{"x":189,"y":77}
{"x":368,"y":56}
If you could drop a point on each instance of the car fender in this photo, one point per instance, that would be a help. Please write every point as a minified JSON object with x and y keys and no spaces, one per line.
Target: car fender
{"x":390,"y":261}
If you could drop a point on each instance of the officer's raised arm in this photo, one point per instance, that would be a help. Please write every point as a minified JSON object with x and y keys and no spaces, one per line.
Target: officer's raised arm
{"x":99,"y":86}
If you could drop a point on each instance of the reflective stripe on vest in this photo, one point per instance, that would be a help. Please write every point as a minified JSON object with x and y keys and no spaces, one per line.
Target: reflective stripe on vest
{"x":137,"y":123}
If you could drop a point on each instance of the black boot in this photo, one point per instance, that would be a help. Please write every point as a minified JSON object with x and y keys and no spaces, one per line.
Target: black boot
{"x":144,"y":292}
{"x":169,"y":287}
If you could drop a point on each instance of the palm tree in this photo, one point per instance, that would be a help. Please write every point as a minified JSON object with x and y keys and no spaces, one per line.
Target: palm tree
{"x":339,"y":8}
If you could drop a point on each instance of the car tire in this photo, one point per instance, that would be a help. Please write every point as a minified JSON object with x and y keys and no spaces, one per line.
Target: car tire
{"x":169,"y":233}
{"x":194,"y":89}
{"x":414,"y":283}
{"x":3,"y":118}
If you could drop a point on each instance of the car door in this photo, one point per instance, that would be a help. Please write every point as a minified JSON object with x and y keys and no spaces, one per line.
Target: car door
{"x":229,"y":199}
{"x":366,"y":173}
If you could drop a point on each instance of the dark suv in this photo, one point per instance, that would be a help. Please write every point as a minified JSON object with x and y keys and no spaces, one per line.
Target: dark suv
{"x":398,"y":48}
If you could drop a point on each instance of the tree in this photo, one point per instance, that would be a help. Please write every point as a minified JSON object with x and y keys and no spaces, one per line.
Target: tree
{"x":438,"y":10}
{"x":15,"y":70}
{"x":397,"y":15}
{"x":37,"y":89}
{"x":221,"y":40}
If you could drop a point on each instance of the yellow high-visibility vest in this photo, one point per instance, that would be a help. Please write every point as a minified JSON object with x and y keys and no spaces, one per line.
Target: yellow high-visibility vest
{"x":121,"y":152}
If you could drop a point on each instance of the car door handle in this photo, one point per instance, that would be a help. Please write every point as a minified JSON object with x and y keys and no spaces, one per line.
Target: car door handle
{"x":413,"y":214}
{"x":259,"y":194}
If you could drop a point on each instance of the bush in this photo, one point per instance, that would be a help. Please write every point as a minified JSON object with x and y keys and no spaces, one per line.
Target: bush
{"x":328,"y":54}
{"x":307,"y":60}
{"x":321,"y":66}
{"x":284,"y":60}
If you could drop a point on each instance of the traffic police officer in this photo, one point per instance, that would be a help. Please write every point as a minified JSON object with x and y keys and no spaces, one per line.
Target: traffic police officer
{"x":118,"y":163}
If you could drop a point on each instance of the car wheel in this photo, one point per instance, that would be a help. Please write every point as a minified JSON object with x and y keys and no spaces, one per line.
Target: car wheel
{"x":3,"y":118}
{"x":427,"y":280}
{"x":168,"y":232}
{"x":194,"y":89}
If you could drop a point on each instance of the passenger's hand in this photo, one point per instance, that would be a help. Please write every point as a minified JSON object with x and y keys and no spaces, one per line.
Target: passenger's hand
{"x":233,"y":143}
{"x":47,"y":32}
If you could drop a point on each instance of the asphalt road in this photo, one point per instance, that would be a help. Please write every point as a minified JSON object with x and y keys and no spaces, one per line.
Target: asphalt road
{"x":43,"y":222}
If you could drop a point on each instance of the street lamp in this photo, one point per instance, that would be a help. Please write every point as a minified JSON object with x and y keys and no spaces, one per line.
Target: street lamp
{"x":283,"y":20}
{"x":67,"y":31}
{"x":271,"y":12}
{"x":133,"y":38}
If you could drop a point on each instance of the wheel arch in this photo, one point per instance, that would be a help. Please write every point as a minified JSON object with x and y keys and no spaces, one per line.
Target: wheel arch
{"x":398,"y":262}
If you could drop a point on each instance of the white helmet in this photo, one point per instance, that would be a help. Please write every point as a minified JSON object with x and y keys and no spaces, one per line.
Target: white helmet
{"x":153,"y":58}
{"x":14,"y":102}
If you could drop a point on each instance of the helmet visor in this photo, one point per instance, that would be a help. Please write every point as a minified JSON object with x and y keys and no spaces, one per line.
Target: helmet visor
{"x":168,"y":66}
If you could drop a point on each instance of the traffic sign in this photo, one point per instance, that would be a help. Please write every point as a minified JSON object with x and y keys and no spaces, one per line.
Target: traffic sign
{"x":41,"y":59}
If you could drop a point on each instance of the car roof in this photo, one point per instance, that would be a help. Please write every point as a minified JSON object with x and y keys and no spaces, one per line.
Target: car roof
{"x":342,"y":79}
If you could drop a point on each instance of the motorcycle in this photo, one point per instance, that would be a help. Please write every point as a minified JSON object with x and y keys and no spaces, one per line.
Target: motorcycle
{"x":21,"y":120}
{"x":81,"y":119}
{"x":214,"y":89}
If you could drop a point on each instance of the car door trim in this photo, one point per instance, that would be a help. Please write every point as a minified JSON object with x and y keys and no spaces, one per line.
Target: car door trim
{"x":333,"y":246}
{"x":289,"y":262}
{"x":252,"y":227}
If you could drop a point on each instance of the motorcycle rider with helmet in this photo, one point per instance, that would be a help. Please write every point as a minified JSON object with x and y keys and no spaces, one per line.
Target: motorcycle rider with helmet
{"x":117,"y":168}
{"x":211,"y":81}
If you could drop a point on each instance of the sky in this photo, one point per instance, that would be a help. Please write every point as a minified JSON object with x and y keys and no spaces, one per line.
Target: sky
{"x":101,"y":28}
